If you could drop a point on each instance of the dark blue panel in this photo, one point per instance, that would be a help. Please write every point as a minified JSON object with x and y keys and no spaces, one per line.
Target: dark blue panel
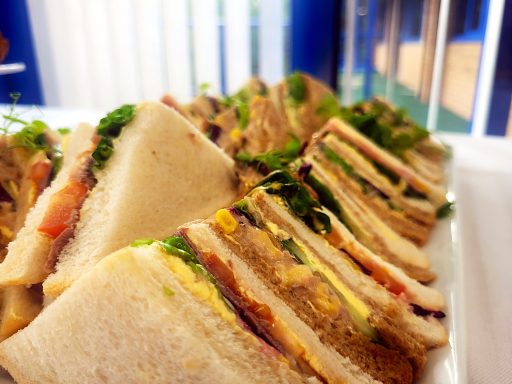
{"x":314,"y":38}
{"x":502,"y":88}
{"x":15,"y":26}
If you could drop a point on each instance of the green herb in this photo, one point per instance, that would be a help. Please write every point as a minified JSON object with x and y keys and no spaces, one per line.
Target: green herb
{"x":243,"y":207}
{"x":273,"y":160}
{"x":142,"y":242}
{"x":32,"y":136}
{"x":389,"y":174}
{"x":383,"y":132}
{"x":296,"y":89}
{"x":242,"y":112}
{"x":298,"y":199}
{"x":204,"y":88}
{"x":108,"y":129}
{"x":64,"y":131}
{"x":359,"y":322}
{"x":328,"y":106}
{"x":167,"y":291}
{"x":325,"y":196}
{"x":336,"y":159}
{"x":111,"y":125}
{"x":445,"y":210}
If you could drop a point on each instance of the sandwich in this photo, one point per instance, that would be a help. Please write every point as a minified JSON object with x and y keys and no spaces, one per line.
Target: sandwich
{"x":405,"y":179}
{"x":329,"y":182}
{"x":395,"y":131}
{"x":410,"y":217}
{"x":303,"y":101}
{"x":320,"y":321}
{"x":149,"y":313}
{"x":138,"y":177}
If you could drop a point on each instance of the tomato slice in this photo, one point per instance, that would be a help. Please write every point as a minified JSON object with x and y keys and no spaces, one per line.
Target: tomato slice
{"x":62,"y":206}
{"x":391,"y":285}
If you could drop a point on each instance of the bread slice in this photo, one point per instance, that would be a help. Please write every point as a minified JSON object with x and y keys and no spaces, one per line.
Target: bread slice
{"x":141,"y":316}
{"x":27,"y":254}
{"x":162,"y":173}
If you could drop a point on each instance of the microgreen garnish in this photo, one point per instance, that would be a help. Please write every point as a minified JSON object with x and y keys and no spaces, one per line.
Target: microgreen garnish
{"x":296,"y":89}
{"x":273,"y":160}
{"x":298,"y":199}
{"x":108,"y":129}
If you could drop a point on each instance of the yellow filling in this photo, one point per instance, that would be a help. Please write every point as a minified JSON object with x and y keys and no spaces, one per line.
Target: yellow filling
{"x":235,"y":134}
{"x":5,"y":232}
{"x":226,"y":221}
{"x":317,"y":265}
{"x":199,"y":287}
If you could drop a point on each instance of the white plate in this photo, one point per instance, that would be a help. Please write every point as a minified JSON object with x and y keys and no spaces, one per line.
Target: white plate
{"x":445,"y":365}
{"x":448,"y":364}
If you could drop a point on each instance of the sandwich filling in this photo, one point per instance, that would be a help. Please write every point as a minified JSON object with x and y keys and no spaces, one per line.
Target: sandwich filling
{"x":392,"y":278}
{"x":63,"y":211}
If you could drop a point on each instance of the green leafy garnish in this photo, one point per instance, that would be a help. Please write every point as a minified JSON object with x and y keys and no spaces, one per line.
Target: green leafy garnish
{"x":328,"y":106}
{"x":387,"y":133}
{"x":445,"y":210}
{"x":242,"y":112}
{"x":204,"y":88}
{"x":108,"y":129}
{"x":243,"y":207}
{"x":336,"y":159}
{"x":64,"y":131}
{"x":141,"y":242}
{"x":325,"y":196}
{"x":273,"y":160}
{"x":32,"y":136}
{"x":296,"y":89}
{"x":298,"y":199}
{"x":388,"y":173}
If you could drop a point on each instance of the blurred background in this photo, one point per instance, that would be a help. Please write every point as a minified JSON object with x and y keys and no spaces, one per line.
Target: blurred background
{"x":449,"y":63}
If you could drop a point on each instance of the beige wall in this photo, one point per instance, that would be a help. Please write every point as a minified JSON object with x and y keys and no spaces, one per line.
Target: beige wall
{"x":461,"y":65}
{"x":409,"y":65}
{"x":380,"y":57}
{"x":460,"y":76}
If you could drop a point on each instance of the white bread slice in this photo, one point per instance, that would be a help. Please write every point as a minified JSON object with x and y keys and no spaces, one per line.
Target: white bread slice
{"x":27,"y":254}
{"x":162,"y":173}
{"x":137,"y":317}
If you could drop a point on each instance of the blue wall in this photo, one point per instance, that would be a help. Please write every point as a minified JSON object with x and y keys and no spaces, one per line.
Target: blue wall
{"x":315,"y":38}
{"x":15,"y":26}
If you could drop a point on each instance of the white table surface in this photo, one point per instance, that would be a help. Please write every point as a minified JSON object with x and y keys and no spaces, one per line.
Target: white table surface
{"x":483,"y":187}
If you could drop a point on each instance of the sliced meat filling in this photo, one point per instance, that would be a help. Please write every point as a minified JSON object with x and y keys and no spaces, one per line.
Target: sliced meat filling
{"x":63,"y":211}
